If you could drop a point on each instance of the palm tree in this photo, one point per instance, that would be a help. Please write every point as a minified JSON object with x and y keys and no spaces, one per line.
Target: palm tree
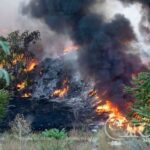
{"x":3,"y":73}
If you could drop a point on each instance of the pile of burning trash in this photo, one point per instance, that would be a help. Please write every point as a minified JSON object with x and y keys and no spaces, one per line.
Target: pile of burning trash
{"x":51,"y":93}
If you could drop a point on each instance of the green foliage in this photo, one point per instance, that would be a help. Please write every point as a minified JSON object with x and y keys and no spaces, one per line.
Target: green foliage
{"x":15,"y":56}
{"x":21,"y":41}
{"x":54,"y":133}
{"x":4,"y":99}
{"x":4,"y":75}
{"x":6,"y":51}
{"x":140,"y":90}
{"x":5,"y":46}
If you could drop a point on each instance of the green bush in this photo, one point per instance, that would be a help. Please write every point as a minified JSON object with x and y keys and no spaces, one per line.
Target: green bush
{"x":55,"y":133}
{"x":4,"y":99}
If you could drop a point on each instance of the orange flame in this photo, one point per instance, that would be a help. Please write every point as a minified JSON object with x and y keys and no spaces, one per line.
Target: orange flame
{"x":31,"y":65}
{"x":26,"y":95}
{"x":115,"y":114}
{"x":17,"y":59}
{"x":93,"y":93}
{"x":21,"y":86}
{"x":62,"y":92}
{"x":70,"y":49}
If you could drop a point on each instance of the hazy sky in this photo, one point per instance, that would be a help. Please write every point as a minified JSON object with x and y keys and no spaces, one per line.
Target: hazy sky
{"x":10,"y":16}
{"x":11,"y":19}
{"x":9,"y":12}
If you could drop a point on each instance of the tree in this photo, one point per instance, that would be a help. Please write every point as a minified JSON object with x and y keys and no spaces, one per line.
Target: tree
{"x":4,"y":76}
{"x":15,"y":55}
{"x":140,"y":90}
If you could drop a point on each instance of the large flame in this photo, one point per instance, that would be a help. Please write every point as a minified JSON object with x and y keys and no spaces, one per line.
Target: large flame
{"x":63,"y":91}
{"x":114,"y":114}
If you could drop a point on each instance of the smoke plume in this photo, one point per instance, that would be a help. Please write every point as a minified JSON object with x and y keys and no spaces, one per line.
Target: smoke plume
{"x":104,"y":46}
{"x":145,"y":22}
{"x":143,"y":2}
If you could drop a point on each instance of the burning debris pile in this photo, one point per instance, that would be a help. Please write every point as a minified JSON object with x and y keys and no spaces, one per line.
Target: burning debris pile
{"x":52,"y":82}
{"x":50,"y":87}
{"x":52,"y":79}
{"x":57,"y":87}
{"x":62,"y":91}
{"x":105,"y":51}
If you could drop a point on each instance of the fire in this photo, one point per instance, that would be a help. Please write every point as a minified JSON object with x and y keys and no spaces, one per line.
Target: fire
{"x":111,"y":108}
{"x":63,"y":91}
{"x":31,"y":65}
{"x":93,"y":93}
{"x":21,"y":86}
{"x":18,"y":58}
{"x":115,"y":115}
{"x":26,"y":95}
{"x":70,"y":48}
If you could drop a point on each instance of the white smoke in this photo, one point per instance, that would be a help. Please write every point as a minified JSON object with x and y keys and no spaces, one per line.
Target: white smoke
{"x":12,"y":19}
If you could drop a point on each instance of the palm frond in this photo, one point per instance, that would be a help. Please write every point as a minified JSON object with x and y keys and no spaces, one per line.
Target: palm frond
{"x":5,"y":47}
{"x":4,"y":75}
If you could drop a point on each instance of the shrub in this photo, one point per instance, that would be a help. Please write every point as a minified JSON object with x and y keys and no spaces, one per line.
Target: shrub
{"x":4,"y":99}
{"x":55,"y":133}
{"x":20,"y":126}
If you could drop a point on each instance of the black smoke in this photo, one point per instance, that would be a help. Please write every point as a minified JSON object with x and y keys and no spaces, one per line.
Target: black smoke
{"x":104,"y":47}
{"x":143,"y":2}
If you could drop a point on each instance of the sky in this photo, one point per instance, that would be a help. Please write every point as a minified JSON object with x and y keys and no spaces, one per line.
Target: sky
{"x":11,"y":18}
